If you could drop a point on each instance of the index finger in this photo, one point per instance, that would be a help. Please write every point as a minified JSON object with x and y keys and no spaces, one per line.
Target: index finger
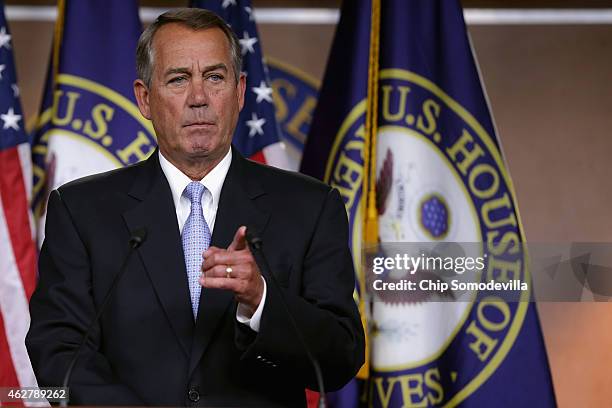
{"x":239,"y":241}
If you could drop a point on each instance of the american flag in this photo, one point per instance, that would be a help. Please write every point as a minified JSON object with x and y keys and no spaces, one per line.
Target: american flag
{"x":17,"y":248}
{"x":257,"y":133}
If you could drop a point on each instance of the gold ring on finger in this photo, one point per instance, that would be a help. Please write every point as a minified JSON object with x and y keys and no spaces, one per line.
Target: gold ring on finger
{"x":228,"y":272}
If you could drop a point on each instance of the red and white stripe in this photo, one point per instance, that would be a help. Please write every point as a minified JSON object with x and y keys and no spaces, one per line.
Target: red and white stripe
{"x":276,"y":155}
{"x":17,"y":266}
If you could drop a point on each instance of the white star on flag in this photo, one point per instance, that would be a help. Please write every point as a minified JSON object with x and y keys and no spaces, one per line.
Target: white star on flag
{"x":263,"y":92}
{"x":5,"y":39}
{"x":2,"y":67}
{"x":249,"y":12}
{"x":255,"y":125}
{"x":10,"y":119}
{"x":15,"y":90}
{"x":227,"y":3}
{"x":247,"y":43}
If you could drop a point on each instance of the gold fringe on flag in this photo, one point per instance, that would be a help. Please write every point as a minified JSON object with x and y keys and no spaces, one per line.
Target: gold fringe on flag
{"x":369,"y":179}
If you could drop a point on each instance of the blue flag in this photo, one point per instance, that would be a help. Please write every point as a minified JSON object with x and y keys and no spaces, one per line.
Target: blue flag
{"x":257,"y":133}
{"x":13,"y":131}
{"x":424,"y":132}
{"x":295,"y":99}
{"x":335,"y":147}
{"x":89,"y":121}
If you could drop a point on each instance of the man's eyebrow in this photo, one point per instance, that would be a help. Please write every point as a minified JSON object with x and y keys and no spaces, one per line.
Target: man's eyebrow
{"x":179,"y":70}
{"x":183,"y":70}
{"x":215,"y":67}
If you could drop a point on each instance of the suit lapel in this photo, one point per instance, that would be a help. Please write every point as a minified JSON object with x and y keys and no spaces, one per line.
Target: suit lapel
{"x":236,"y":208}
{"x":162,"y":252}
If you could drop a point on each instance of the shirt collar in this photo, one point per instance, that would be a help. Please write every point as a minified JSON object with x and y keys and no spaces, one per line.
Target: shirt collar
{"x":213,"y":181}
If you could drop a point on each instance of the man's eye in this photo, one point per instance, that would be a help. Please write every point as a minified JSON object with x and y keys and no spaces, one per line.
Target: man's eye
{"x":215,"y":77}
{"x":177,"y":80}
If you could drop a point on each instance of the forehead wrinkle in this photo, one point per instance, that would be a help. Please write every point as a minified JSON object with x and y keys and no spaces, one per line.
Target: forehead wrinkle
{"x":164,"y":49}
{"x":213,"y":67}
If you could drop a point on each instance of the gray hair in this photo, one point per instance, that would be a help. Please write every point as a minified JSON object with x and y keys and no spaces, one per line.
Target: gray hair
{"x":194,"y":18}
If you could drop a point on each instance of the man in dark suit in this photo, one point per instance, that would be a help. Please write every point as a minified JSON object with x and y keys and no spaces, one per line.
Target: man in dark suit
{"x":169,"y":336}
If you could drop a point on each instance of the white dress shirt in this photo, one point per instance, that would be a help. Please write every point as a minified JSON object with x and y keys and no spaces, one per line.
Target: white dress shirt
{"x":213,"y":182}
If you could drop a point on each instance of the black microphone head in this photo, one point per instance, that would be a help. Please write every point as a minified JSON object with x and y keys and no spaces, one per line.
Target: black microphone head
{"x":253,"y":238}
{"x":138,"y":237}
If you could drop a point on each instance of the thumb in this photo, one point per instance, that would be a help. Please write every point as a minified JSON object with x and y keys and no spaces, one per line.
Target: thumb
{"x":239,"y":241}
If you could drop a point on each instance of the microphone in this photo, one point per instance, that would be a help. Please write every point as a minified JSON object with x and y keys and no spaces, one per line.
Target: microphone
{"x":255,"y":244}
{"x":138,"y":237}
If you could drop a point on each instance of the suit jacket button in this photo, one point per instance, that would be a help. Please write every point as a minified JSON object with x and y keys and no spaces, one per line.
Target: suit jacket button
{"x":194,"y":395}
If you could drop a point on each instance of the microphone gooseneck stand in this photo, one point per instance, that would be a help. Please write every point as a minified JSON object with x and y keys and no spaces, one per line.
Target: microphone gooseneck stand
{"x":137,"y":238}
{"x":255,"y":244}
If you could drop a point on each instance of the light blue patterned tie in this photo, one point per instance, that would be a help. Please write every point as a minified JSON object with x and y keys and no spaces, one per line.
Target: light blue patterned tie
{"x":196,"y":239}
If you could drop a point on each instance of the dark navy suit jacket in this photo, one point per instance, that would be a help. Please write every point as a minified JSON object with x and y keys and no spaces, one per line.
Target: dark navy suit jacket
{"x":147,"y":349}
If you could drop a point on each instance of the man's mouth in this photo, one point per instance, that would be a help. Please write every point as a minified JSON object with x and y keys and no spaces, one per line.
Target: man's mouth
{"x":199,"y":124}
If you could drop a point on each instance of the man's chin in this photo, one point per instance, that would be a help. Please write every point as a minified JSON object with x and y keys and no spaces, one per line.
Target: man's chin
{"x":196,"y":153}
{"x":204,"y":152}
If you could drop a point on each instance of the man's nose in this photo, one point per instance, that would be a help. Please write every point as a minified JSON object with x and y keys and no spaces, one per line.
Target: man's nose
{"x":198,"y":96}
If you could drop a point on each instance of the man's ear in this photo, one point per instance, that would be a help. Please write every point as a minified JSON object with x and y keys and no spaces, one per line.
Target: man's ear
{"x":241,"y":89}
{"x":142,"y":97}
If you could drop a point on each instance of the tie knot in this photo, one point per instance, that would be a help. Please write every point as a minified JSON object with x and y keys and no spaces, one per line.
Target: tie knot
{"x":194,"y":192}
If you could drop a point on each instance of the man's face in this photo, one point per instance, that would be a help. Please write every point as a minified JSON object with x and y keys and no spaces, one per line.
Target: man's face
{"x":194,"y":99}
